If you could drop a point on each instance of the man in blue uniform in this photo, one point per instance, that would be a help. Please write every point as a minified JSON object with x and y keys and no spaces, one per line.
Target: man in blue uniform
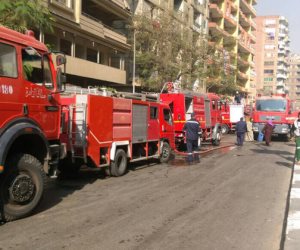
{"x":192,"y":130}
{"x":241,"y":129}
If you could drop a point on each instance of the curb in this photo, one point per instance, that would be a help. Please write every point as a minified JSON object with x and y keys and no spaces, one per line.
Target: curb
{"x":292,"y":232}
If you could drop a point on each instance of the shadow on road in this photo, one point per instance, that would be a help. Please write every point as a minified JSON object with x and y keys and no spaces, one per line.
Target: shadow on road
{"x":58,"y":189}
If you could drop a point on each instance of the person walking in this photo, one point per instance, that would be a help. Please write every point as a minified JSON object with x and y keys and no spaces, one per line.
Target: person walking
{"x":192,"y":130}
{"x":241,"y":129}
{"x":297,"y":138}
{"x":249,"y":134}
{"x":267,"y":130}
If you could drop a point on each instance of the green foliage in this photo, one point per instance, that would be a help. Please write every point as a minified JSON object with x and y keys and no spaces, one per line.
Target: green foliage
{"x":167,"y":50}
{"x":22,"y":15}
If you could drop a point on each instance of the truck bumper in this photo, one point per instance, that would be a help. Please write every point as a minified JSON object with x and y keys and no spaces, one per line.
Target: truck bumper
{"x":279,"y":129}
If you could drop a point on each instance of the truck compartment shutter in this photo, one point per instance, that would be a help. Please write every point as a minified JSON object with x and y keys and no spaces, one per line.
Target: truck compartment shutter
{"x":207,"y":113}
{"x":139,"y":123}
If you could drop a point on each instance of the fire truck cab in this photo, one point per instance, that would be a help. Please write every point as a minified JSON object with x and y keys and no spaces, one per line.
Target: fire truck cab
{"x":278,"y":108}
{"x":29,"y":121}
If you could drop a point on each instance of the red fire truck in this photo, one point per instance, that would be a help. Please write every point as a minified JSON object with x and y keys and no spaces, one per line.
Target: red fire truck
{"x":207,"y":111}
{"x":108,"y":132}
{"x":40,"y":129}
{"x":278,"y":108}
{"x":29,"y":120}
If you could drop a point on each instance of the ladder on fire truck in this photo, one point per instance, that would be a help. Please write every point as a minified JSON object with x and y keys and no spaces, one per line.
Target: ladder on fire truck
{"x":78,"y":131}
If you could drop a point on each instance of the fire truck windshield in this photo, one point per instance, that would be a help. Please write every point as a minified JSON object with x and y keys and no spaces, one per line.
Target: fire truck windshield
{"x":271,"y":105}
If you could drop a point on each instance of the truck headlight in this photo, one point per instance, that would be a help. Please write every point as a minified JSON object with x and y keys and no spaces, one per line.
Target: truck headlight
{"x":284,"y":130}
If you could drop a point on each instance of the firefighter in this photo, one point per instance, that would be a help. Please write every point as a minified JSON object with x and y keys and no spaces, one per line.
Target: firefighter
{"x":192,"y":130}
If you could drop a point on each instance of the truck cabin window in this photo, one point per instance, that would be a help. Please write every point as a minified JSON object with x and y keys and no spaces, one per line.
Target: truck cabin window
{"x":8,"y":61}
{"x":168,"y":116}
{"x":271,"y":105}
{"x":32,"y":68}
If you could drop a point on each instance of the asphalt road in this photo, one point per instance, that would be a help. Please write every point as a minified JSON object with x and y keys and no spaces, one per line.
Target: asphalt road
{"x":234,"y":199}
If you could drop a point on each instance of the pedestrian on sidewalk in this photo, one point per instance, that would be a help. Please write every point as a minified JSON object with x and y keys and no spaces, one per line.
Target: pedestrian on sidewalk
{"x":192,"y":130}
{"x":241,"y":129}
{"x":297,"y":137}
{"x":249,"y":134}
{"x":268,"y":130}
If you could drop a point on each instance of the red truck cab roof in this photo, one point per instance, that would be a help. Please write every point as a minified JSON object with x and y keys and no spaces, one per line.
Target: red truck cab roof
{"x":22,"y":39}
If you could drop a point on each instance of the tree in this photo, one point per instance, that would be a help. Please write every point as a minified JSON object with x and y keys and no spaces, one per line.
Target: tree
{"x":167,"y":50}
{"x":22,"y":15}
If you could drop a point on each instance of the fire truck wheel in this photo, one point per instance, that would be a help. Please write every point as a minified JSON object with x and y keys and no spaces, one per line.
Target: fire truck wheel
{"x":22,"y":186}
{"x":119,"y":166}
{"x":216,"y":142}
{"x":165,"y":153}
{"x":224,"y":129}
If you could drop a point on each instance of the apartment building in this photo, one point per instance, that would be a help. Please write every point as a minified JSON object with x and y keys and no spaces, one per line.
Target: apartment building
{"x":272,"y":50}
{"x":191,"y":13}
{"x":231,"y":28}
{"x":293,"y":81}
{"x":92,"y":33}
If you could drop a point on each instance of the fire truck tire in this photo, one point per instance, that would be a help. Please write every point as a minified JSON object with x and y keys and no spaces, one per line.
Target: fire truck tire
{"x":216,"y":142}
{"x":165,"y":153}
{"x":118,"y":167}
{"x":224,"y":129}
{"x":22,"y":186}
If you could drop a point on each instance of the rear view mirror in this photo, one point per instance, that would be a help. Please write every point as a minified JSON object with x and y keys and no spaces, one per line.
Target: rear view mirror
{"x":60,"y":60}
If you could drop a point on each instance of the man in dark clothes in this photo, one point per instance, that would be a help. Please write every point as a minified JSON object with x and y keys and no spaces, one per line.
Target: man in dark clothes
{"x":192,"y":129}
{"x":241,"y":129}
{"x":237,"y":98}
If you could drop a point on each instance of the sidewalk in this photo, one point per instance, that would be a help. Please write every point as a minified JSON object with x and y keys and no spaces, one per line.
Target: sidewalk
{"x":292,"y":237}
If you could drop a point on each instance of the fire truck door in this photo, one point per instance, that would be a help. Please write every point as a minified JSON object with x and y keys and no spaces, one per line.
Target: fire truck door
{"x":153,"y":122}
{"x":39,"y":102}
{"x":167,"y":129}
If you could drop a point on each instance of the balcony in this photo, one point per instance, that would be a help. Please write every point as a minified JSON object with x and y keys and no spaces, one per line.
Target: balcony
{"x":245,"y":42}
{"x":243,"y":61}
{"x":281,"y":76}
{"x":215,"y":11}
{"x":247,"y":8}
{"x":83,"y":68}
{"x":244,"y":21}
{"x":215,"y":30}
{"x":98,"y":29}
{"x":230,"y":20}
{"x":242,"y":76}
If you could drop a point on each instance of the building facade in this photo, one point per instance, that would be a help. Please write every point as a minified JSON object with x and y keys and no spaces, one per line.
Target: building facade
{"x":232,"y":30}
{"x":92,"y":34}
{"x":272,"y":51}
{"x":293,"y":81}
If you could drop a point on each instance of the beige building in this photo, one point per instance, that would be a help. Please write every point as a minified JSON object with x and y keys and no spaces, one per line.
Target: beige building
{"x":293,"y":81}
{"x":231,"y":28}
{"x":272,"y":50}
{"x":92,"y":33}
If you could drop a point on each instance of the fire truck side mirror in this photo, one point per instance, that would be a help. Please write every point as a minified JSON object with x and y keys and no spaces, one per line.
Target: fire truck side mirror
{"x":60,"y":79}
{"x":60,"y":60}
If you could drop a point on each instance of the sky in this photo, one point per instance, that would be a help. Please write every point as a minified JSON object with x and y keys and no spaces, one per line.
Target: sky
{"x":287,"y":8}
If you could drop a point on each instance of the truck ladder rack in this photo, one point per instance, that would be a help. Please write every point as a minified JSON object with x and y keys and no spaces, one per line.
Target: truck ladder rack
{"x":78,"y":131}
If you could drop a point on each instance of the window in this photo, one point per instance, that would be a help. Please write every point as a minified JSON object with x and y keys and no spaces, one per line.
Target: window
{"x":270,"y":21}
{"x":269,"y":63}
{"x":32,"y":68}
{"x":168,"y":116}
{"x":268,"y":79}
{"x":91,"y":55}
{"x":8,"y":61}
{"x":271,"y":105}
{"x":268,"y":71}
{"x":270,"y":46}
{"x":153,"y":113}
{"x":67,"y":3}
{"x":65,"y":46}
